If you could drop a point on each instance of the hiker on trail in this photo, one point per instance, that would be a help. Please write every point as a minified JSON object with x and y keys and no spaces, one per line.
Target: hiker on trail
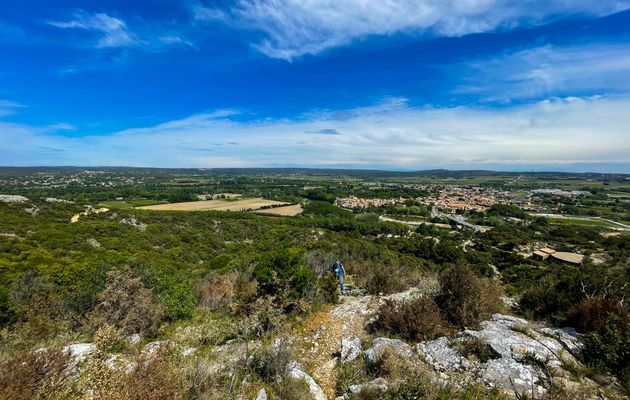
{"x":341,"y":273}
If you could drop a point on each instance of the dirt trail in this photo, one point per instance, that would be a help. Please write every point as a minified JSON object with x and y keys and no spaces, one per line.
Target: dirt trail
{"x":319,"y":338}
{"x":75,"y":217}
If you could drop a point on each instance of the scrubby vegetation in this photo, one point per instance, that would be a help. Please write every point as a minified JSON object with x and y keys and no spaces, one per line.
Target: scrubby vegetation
{"x":214,"y":279}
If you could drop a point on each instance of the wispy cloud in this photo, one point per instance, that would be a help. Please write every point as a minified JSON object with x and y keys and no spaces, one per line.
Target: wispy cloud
{"x":594,"y":68}
{"x":8,"y":107}
{"x":112,"y":31}
{"x":327,"y":131}
{"x":560,"y":132}
{"x":295,"y":28}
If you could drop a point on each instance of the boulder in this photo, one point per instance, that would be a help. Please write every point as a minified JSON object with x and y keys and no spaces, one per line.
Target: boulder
{"x":439,"y":354}
{"x":568,"y":337}
{"x":504,"y":334}
{"x":153,"y":347}
{"x":262,"y":395}
{"x":515,"y":348}
{"x":378,"y":384}
{"x":78,"y":352}
{"x":134,"y":339}
{"x":316,"y":391}
{"x":508,"y":374}
{"x":188,"y":351}
{"x":350,"y":349}
{"x":381,"y":344}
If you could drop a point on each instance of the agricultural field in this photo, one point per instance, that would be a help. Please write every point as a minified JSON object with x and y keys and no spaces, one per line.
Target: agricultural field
{"x":216,"y":205}
{"x":283,"y":211}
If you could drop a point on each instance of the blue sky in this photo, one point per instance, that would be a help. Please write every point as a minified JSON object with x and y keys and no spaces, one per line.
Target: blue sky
{"x":398,"y":84}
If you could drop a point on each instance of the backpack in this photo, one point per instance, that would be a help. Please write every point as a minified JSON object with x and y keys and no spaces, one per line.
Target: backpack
{"x":333,"y":268}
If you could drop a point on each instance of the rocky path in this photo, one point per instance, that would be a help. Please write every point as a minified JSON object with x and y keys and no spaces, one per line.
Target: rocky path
{"x":319,"y":338}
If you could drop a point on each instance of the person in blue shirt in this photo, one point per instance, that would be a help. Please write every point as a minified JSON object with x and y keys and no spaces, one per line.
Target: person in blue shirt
{"x":341,"y":273}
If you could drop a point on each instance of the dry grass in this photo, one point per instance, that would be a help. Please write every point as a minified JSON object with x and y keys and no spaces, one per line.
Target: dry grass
{"x":215,"y":205}
{"x":284,"y":211}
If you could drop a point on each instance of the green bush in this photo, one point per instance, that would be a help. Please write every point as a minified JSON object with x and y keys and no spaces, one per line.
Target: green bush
{"x":382,"y":278}
{"x":328,"y":285}
{"x":466,"y":299}
{"x":415,"y":320}
{"x":127,"y":304}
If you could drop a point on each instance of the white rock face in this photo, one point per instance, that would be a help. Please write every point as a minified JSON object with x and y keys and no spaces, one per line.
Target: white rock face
{"x":153,"y":347}
{"x":135,"y":223}
{"x":379,"y":384}
{"x":350,"y":349}
{"x":442,"y":357}
{"x":188,"y":351}
{"x":12,"y":198}
{"x":380,"y":345}
{"x":316,"y":391}
{"x":78,"y":352}
{"x":513,"y":345}
{"x":134,"y":339}
{"x":93,"y":242}
{"x":55,"y":200}
{"x":568,"y":337}
{"x":262,"y":395}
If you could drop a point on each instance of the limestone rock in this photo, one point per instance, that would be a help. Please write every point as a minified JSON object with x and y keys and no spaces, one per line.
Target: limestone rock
{"x":380,"y":345}
{"x":153,"y":347}
{"x":316,"y":391}
{"x":78,"y":353}
{"x":503,"y":334}
{"x":134,"y":339}
{"x":132,"y":221}
{"x":378,"y":384}
{"x":514,"y":345}
{"x":55,"y":200}
{"x":350,"y":349}
{"x":11,"y":198}
{"x":262,"y":395}
{"x":442,"y":357}
{"x":188,"y":351}
{"x":568,"y":337}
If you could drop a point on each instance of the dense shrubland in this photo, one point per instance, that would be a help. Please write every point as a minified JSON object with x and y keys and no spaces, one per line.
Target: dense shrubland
{"x":250,"y":276}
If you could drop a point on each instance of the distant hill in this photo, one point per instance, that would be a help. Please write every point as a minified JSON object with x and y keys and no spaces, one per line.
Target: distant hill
{"x":359,"y":173}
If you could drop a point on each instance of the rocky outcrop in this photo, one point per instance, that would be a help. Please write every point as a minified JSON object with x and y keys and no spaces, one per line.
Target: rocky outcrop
{"x":298,"y":373}
{"x":93,"y":242}
{"x":55,"y":200}
{"x":442,"y":357}
{"x":568,"y":337}
{"x":517,"y":353}
{"x":350,"y":349}
{"x":381,"y":345}
{"x":132,"y":221}
{"x":78,"y":352}
{"x":377,"y":385}
{"x":11,"y":198}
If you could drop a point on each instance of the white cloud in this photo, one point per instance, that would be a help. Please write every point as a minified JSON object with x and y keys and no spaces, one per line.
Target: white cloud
{"x":113,"y":31}
{"x":394,"y":135}
{"x":550,"y":70}
{"x":296,"y":27}
{"x":8,"y":107}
